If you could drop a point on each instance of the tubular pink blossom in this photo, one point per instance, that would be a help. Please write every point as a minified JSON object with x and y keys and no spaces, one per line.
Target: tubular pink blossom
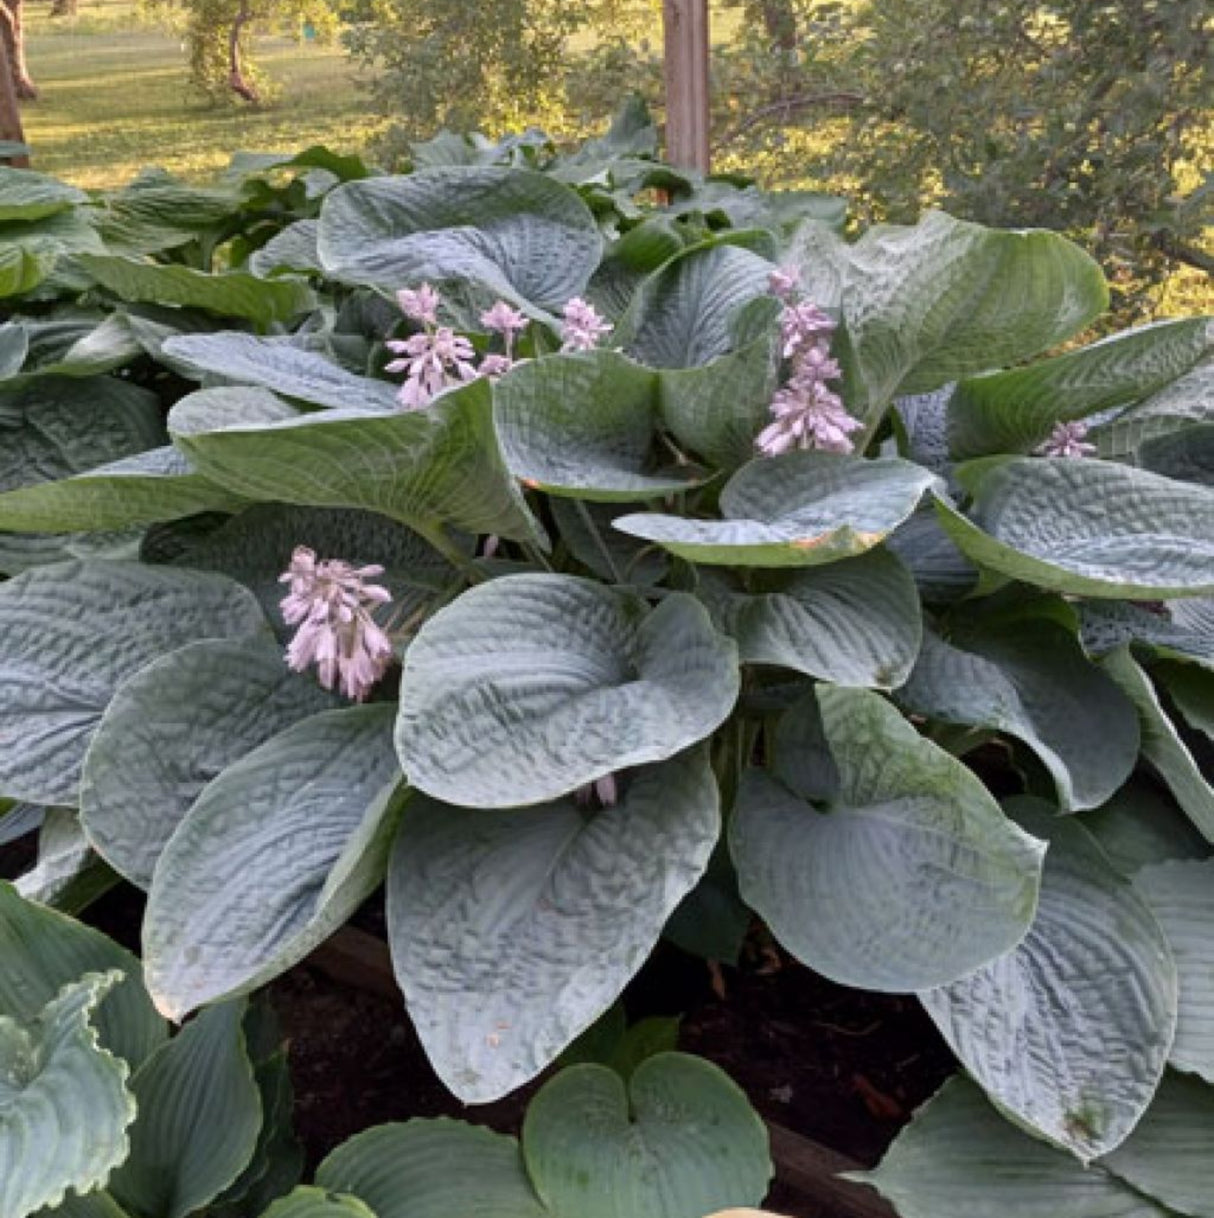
{"x":504,"y":320}
{"x":420,"y":304}
{"x":1068,"y":440}
{"x":432,"y":362}
{"x":494,"y":366}
{"x":782,"y":282}
{"x":583,"y":326}
{"x":331,"y":603}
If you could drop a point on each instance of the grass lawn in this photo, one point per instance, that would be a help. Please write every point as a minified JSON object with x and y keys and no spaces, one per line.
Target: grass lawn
{"x":116,"y":96}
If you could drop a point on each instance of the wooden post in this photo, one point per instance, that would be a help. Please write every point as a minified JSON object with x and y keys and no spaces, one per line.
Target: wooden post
{"x":10,"y":111}
{"x":685,"y":25}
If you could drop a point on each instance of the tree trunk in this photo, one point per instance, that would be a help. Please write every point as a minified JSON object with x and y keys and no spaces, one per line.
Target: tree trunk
{"x":236,"y":77}
{"x":10,"y":112}
{"x":12,"y":27}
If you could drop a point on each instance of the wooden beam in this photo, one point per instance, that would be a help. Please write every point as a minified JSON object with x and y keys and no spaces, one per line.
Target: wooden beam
{"x":685,"y":25}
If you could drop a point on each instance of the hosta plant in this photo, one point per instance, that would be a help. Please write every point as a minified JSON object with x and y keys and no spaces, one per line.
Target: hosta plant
{"x":576,"y":567}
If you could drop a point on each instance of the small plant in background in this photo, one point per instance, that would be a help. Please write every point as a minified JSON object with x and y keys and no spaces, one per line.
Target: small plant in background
{"x":781,"y":578}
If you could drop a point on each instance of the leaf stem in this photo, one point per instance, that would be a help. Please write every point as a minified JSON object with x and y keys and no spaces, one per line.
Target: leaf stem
{"x":436,"y":534}
{"x":584,"y":512}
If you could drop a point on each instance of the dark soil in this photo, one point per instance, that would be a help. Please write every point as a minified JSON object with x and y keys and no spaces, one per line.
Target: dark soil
{"x":842,"y":1067}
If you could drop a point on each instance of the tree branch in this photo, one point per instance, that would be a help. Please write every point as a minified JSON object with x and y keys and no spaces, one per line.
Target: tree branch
{"x":1182,"y":251}
{"x":786,"y":107}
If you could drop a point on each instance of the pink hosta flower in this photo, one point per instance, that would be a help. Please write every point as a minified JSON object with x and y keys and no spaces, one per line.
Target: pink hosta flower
{"x":782,"y":282}
{"x":433,"y":361}
{"x":331,"y":604}
{"x":807,"y":415}
{"x":494,"y":365}
{"x":1068,"y":440}
{"x":583,"y":326}
{"x":805,"y":328}
{"x":420,"y":305}
{"x":504,"y":320}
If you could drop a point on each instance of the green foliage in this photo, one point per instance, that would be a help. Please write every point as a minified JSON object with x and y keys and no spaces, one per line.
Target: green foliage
{"x":633,"y":661}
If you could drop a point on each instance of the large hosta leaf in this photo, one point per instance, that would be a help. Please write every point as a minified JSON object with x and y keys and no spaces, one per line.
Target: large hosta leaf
{"x":73,"y":633}
{"x":1015,"y":411}
{"x":1168,"y":1156}
{"x":1032,"y":520}
{"x":199,"y":1116}
{"x":1141,"y":825}
{"x":960,"y":1159}
{"x":1030,"y":678}
{"x":433,"y":1169}
{"x":156,"y":485}
{"x":854,"y":622}
{"x":497,"y":988}
{"x":1162,"y":744}
{"x":530,"y":686}
{"x":909,"y":876}
{"x":60,"y":426}
{"x":683,"y":315}
{"x":274,"y":856}
{"x":516,"y":233}
{"x":272,"y":364}
{"x":255,"y":548}
{"x":310,"y":1202}
{"x":1187,"y":455}
{"x":64,"y":1106}
{"x":44,"y":950}
{"x":229,"y":294}
{"x":25,"y":195}
{"x":1070,"y":1031}
{"x":945,"y":299}
{"x":171,"y":729}
{"x":419,"y":467}
{"x":1181,"y":895}
{"x":1180,"y":629}
{"x":1177,"y":406}
{"x":678,"y":1140}
{"x":69,"y":875}
{"x":801,"y":509}
{"x":584,"y":425}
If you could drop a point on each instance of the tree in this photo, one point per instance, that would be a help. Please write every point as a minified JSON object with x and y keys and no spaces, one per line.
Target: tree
{"x":12,"y":32}
{"x":11,"y":130}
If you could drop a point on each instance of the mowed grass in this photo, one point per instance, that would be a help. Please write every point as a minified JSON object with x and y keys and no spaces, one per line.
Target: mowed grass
{"x":116,"y":97}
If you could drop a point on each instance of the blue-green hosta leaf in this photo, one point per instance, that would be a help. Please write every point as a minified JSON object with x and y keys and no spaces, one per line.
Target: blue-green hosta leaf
{"x":418,"y":467}
{"x":228,"y":294}
{"x":1030,"y":678}
{"x":945,"y":299}
{"x":1186,"y":401}
{"x":272,"y":364}
{"x":56,"y":427}
{"x":91,"y":1205}
{"x":1070,"y":1031}
{"x":1168,"y":1156}
{"x":14,"y":345}
{"x":432,"y":1169}
{"x":307,"y":1201}
{"x":910,"y":877}
{"x":530,"y":686}
{"x":1181,"y":895}
{"x":274,"y":856}
{"x":1190,"y":687}
{"x":172,"y":728}
{"x":292,"y":251}
{"x":199,"y":1116}
{"x":584,"y":425}
{"x":68,"y":875}
{"x":683,"y":315}
{"x":941,"y":571}
{"x":74,"y":632}
{"x":1162,"y":744}
{"x":1181,"y":629}
{"x":497,"y":989}
{"x":44,"y":950}
{"x":64,"y":1106}
{"x":16,"y":820}
{"x":1140,"y":826}
{"x":255,"y":548}
{"x":1015,"y":411}
{"x":150,"y":486}
{"x":85,"y":346}
{"x":515,"y":233}
{"x":801,"y":509}
{"x":33,"y":253}
{"x":1187,"y":455}
{"x":586,"y":528}
{"x":717,"y":409}
{"x":25,"y":195}
{"x":1032,"y":520}
{"x":678,"y":1140}
{"x":854,"y":622}
{"x":959,"y":1158}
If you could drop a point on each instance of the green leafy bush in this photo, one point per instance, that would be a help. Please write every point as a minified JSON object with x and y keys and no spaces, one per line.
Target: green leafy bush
{"x":695,"y":534}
